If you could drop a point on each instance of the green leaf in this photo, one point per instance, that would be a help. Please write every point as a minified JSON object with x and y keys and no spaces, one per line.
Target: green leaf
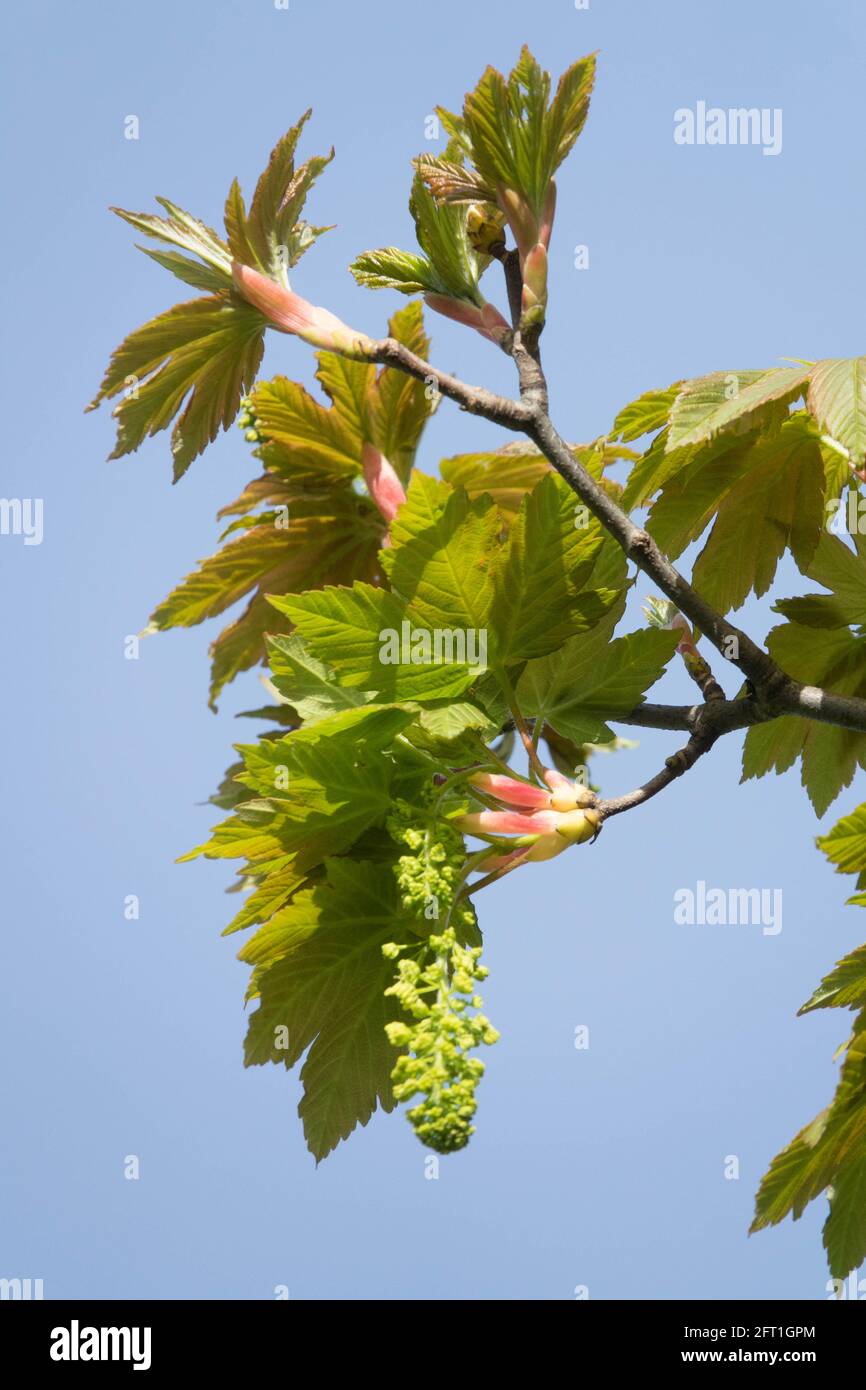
{"x":732,"y":400}
{"x":391,"y":269}
{"x":517,"y":136}
{"x":183,"y":230}
{"x":645,"y":415}
{"x":845,"y":845}
{"x":776,"y":504}
{"x":837,"y":399}
{"x":327,"y":994}
{"x":828,"y":1155}
{"x":305,"y":441}
{"x":841,"y":571}
{"x":443,"y":568}
{"x":505,"y":475}
{"x":194,"y":362}
{"x":308,"y":685}
{"x":592,"y":680}
{"x":316,"y":537}
{"x":834,"y":660}
{"x":272,"y":228}
{"x":845,"y":986}
{"x":364,"y":634}
{"x":539,"y":599}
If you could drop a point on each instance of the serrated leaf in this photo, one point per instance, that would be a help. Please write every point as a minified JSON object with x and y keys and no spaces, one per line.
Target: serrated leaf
{"x":359,"y":632}
{"x":194,"y":362}
{"x":327,"y":994}
{"x":834,"y":660}
{"x":305,"y":441}
{"x":539,"y":599}
{"x":837,"y":399}
{"x":307,"y":684}
{"x":592,"y":680}
{"x":841,"y":571}
{"x":645,"y":415}
{"x":845,"y":986}
{"x":443,"y":567}
{"x":506,"y":475}
{"x":731,"y":400}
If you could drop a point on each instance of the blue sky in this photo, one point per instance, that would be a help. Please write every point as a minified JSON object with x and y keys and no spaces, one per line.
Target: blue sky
{"x":601,"y":1167}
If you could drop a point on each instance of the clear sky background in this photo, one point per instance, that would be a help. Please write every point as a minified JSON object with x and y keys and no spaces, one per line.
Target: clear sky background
{"x":602,"y":1167}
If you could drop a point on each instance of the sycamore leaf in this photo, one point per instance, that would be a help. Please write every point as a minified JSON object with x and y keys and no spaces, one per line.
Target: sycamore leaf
{"x":273,"y":229}
{"x":732,"y":400}
{"x":539,"y":598}
{"x":845,"y":986}
{"x":304,"y":440}
{"x":830,"y":1153}
{"x":327,"y":994}
{"x":517,"y":136}
{"x":834,"y":660}
{"x":767,"y":495}
{"x":450,"y":265}
{"x":645,"y":415}
{"x":194,"y":362}
{"x":318,"y":537}
{"x":841,"y":571}
{"x":307,"y":684}
{"x":777,"y":504}
{"x":373,"y":642}
{"x":845,"y":846}
{"x":592,"y":679}
{"x":442,"y":566}
{"x":837,"y":399}
{"x":505,"y":475}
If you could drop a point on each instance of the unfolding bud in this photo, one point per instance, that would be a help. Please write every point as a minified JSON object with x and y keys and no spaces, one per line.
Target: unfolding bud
{"x":385,"y":487}
{"x":511,"y":791}
{"x":486,"y":319}
{"x":520,"y":218}
{"x":548,"y":213}
{"x":534,"y":300}
{"x":290,"y":313}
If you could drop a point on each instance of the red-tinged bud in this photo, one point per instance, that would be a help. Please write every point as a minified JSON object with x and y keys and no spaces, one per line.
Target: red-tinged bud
{"x":507,"y":822}
{"x":486,"y":320}
{"x":512,"y":792}
{"x":385,"y":487}
{"x":290,"y":313}
{"x":548,"y":213}
{"x":520,"y":218}
{"x":566,"y":795}
{"x":534,"y":300}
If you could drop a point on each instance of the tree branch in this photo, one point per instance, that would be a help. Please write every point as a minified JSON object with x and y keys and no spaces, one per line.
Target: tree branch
{"x":476,"y":400}
{"x":674,"y":767}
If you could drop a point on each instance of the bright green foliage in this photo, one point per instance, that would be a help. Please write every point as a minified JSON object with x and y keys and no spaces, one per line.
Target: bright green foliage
{"x":829,"y":1155}
{"x":194,"y":362}
{"x":303,"y":523}
{"x":450,"y":263}
{"x":410,"y":652}
{"x":592,"y":679}
{"x":513,"y":135}
{"x":822,"y":649}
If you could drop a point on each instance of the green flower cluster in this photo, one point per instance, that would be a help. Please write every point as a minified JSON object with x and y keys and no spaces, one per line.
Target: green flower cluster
{"x":430,"y":873}
{"x":436,"y":1064}
{"x":247,"y":422}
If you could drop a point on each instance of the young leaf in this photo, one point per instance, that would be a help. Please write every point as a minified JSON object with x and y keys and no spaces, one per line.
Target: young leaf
{"x":206,"y":353}
{"x":732,"y":400}
{"x":591,"y":680}
{"x":837,"y":399}
{"x":326,"y":993}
